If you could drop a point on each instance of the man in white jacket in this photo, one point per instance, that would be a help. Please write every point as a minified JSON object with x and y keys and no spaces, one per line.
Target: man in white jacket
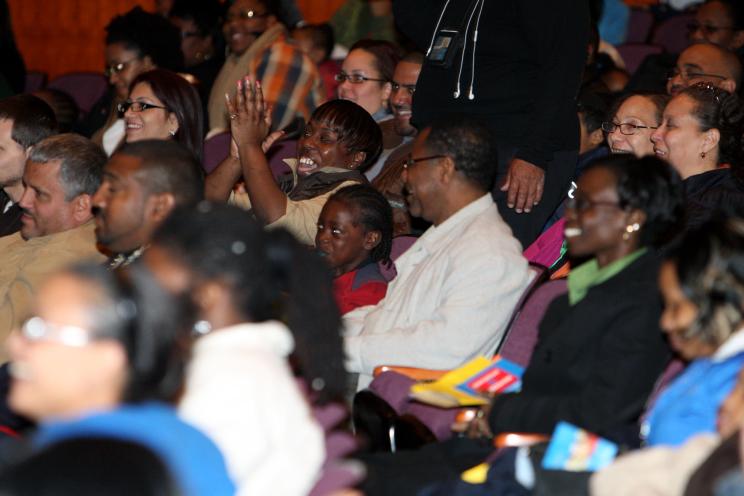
{"x":458,"y":284}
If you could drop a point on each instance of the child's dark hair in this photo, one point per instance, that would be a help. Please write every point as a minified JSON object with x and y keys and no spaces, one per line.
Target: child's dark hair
{"x":373,"y":212}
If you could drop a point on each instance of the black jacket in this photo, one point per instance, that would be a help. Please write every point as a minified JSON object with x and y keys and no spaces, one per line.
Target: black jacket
{"x":712,"y":191}
{"x":595,"y":362}
{"x":529,"y":58}
{"x":10,"y":221}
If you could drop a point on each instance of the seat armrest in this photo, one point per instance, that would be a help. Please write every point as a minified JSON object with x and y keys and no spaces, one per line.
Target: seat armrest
{"x":411,"y":372}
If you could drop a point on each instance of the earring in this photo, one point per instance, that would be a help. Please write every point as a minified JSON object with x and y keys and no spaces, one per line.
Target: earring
{"x":702,"y":154}
{"x":172,"y":133}
{"x":202,"y":327}
{"x":630,"y":229}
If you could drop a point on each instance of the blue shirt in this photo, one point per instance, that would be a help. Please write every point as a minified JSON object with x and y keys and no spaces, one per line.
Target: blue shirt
{"x":193,"y":459}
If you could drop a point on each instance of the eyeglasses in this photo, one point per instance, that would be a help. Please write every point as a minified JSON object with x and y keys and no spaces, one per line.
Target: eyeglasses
{"x":244,"y":15}
{"x":707,"y":29}
{"x":37,"y":329}
{"x":688,"y":76}
{"x":581,"y":204}
{"x":355,"y":78}
{"x":411,"y":88}
{"x":626,"y":128}
{"x":410,"y":161}
{"x":137,"y":106}
{"x":117,"y":68}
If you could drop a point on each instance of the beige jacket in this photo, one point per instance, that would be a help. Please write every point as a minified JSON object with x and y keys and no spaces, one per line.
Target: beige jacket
{"x":24,"y":264}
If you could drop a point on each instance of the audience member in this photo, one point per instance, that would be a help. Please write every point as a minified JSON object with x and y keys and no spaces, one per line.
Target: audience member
{"x":89,"y":466}
{"x":24,"y":121}
{"x":163,"y":105}
{"x":355,"y":235}
{"x":316,"y":41}
{"x":458,"y":284}
{"x":202,"y":44}
{"x":522,"y":78}
{"x":366,"y":75}
{"x":102,"y":356}
{"x":240,"y":389}
{"x":340,"y":140}
{"x":62,"y":173}
{"x":259,"y":49}
{"x":594,"y":364}
{"x":142,"y":183}
{"x":703,"y":287}
{"x":633,"y":120}
{"x":399,"y":131}
{"x":701,"y":137}
{"x":708,"y":63}
{"x":135,"y":42}
{"x":720,"y":22}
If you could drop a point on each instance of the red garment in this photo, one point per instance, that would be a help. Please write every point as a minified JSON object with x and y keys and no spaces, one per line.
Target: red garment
{"x":328,"y":71}
{"x":358,"y":288}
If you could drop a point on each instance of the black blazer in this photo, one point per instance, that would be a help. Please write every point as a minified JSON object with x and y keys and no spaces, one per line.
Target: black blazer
{"x":595,"y":363}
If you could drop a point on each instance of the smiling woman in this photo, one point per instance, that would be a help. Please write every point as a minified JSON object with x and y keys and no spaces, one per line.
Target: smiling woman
{"x":339,"y":142}
{"x":163,"y":105}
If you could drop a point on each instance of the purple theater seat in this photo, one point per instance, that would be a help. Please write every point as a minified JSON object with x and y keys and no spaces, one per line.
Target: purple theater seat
{"x":216,"y":149}
{"x":672,"y":33}
{"x":634,"y":53}
{"x":639,"y":26}
{"x":35,"y":80}
{"x":400,"y":245}
{"x":86,"y":88}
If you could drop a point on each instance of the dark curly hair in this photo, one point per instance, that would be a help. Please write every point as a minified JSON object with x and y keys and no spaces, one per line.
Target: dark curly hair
{"x":272,"y":277}
{"x":149,"y":35}
{"x":355,"y":128}
{"x":469,"y":143}
{"x":718,"y":109}
{"x":651,"y":185}
{"x":371,"y":210}
{"x":709,"y":262}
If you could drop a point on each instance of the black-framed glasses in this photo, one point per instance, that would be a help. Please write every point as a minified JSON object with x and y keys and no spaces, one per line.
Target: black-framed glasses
{"x":244,"y":15}
{"x":118,"y":67}
{"x":410,"y":161}
{"x":411,"y":88}
{"x":137,"y":106}
{"x":688,"y":76}
{"x":355,"y":78}
{"x":625,"y":128}
{"x":707,"y":29}
{"x":581,"y":204}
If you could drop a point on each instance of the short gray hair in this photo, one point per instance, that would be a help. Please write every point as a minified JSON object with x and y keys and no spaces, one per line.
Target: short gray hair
{"x":81,"y":162}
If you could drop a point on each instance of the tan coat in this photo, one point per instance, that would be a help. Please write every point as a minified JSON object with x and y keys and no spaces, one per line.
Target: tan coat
{"x":24,"y":264}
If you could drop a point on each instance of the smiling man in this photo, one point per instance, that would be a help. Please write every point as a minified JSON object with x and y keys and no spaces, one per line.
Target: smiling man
{"x":458,"y":284}
{"x":142,"y":183}
{"x":62,"y":172}
{"x":259,"y":48}
{"x":705,"y":62}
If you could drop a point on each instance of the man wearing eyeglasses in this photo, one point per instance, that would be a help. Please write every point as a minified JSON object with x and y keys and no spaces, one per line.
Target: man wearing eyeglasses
{"x":259,"y":48}
{"x":398,"y":132}
{"x":458,"y":284}
{"x":705,"y":62}
{"x":62,"y":172}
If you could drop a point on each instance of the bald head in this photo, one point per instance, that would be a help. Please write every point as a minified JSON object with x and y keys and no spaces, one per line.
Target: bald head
{"x":705,"y":62}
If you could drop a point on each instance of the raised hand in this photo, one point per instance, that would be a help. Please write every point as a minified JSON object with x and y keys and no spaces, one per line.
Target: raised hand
{"x":250,"y":120}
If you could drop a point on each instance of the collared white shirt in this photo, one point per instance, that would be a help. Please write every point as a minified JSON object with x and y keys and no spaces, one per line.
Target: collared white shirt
{"x":454,"y":293}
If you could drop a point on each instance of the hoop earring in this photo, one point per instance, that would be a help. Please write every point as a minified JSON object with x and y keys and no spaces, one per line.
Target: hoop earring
{"x":702,"y":154}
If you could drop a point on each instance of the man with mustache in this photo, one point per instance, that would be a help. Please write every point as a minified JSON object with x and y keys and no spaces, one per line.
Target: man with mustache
{"x":705,"y":62}
{"x":62,"y":173}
